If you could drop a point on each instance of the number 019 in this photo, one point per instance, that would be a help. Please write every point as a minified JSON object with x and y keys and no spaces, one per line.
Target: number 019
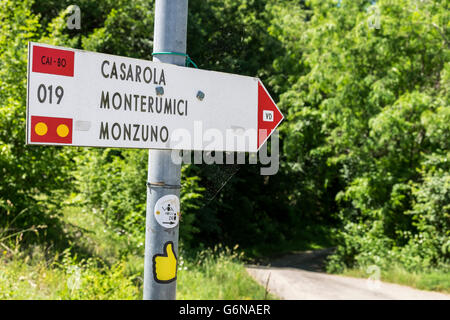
{"x":42,"y":93}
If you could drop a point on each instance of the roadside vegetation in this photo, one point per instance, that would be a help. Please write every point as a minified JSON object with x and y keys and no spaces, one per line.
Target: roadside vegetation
{"x":364,"y":150}
{"x":100,"y":267}
{"x":433,"y":280}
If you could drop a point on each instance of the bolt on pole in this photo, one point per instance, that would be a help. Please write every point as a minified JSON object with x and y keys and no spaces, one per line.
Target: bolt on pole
{"x":164,"y":176}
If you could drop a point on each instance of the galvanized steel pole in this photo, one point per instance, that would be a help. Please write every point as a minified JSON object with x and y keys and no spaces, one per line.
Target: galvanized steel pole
{"x":164,"y":176}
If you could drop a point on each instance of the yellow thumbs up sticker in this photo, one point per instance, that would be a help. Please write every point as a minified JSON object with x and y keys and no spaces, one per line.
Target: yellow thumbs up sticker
{"x":165,"y":265}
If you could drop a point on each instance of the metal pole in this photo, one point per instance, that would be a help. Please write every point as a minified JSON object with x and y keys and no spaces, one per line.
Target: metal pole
{"x":164,"y":176}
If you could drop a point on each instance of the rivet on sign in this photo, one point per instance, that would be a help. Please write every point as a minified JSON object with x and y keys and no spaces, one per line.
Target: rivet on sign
{"x":159,"y":91}
{"x":200,"y":95}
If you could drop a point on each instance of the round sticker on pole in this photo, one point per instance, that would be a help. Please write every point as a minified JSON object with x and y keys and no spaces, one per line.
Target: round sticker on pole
{"x":167,"y":211}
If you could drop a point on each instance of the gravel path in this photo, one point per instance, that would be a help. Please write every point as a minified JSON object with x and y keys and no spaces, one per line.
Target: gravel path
{"x":300,"y":276}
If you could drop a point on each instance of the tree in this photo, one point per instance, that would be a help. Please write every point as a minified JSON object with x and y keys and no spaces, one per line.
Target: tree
{"x":358,"y":114}
{"x":32,"y":177}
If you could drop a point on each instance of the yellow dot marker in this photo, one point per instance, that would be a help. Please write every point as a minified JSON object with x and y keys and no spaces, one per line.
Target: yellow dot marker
{"x":157,"y":212}
{"x":40,"y":128}
{"x":62,"y":130}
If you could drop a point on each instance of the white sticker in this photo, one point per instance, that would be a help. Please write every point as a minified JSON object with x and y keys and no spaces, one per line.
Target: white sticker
{"x":167,"y":211}
{"x":268,"y":115}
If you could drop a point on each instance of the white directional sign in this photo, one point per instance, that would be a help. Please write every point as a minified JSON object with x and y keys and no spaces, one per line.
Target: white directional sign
{"x":82,"y":98}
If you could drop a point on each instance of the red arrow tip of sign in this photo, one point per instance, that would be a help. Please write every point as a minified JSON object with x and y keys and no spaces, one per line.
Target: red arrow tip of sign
{"x":269,"y":116}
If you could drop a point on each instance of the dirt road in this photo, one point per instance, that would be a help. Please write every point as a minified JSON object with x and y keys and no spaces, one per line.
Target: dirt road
{"x":301,"y":276}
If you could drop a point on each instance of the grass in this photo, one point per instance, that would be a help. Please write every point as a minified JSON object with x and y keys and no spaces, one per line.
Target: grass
{"x":436,"y":280}
{"x":112,"y":271}
{"x":217,"y":274}
{"x":21,"y":279}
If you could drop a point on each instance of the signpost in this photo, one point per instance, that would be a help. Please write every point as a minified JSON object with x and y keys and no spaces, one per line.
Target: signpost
{"x":101,"y":100}
{"x":80,"y":98}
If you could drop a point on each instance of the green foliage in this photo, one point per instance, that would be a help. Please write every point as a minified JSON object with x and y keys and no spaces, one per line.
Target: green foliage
{"x":32,"y":178}
{"x":369,"y":109}
{"x":217,"y":277}
{"x":433,"y":280}
{"x":68,"y":279}
{"x":113,"y":183}
{"x":91,"y":279}
{"x":217,"y":274}
{"x":126,"y":31}
{"x":226,"y":36}
{"x":431,"y":215}
{"x":365,"y":143}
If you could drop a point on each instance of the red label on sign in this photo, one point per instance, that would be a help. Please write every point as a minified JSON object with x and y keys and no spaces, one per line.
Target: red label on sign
{"x":53,"y":61}
{"x":269,"y":116}
{"x":49,"y":129}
